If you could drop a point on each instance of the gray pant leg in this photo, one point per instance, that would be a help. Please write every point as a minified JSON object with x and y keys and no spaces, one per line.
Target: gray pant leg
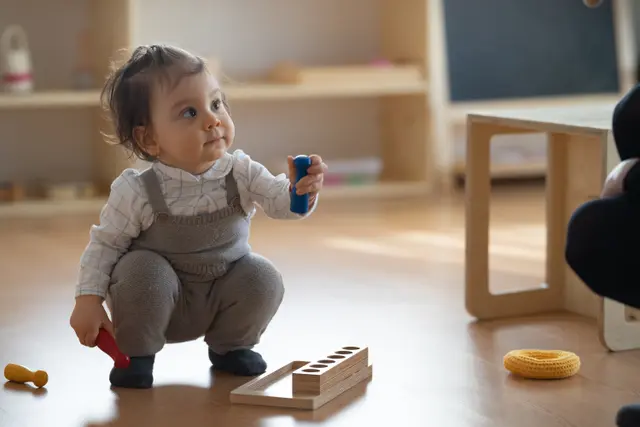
{"x":247,"y":298}
{"x":142,"y":295}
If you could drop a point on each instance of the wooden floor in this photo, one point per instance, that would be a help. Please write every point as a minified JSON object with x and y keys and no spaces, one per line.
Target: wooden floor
{"x":387,"y":275}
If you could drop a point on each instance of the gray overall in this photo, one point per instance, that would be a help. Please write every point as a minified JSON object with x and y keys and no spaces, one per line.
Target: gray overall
{"x":191,"y":276}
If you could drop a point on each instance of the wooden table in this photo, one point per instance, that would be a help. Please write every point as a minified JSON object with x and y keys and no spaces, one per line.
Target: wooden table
{"x":581,"y":152}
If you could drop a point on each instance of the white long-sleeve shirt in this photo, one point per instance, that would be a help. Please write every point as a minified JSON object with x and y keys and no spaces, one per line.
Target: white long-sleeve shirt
{"x":128,"y":211}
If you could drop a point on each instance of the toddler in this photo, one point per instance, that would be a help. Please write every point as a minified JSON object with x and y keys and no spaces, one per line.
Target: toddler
{"x":170,"y":255}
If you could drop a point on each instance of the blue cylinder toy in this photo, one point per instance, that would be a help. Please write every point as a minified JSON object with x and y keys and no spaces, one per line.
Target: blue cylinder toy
{"x":300,"y":203}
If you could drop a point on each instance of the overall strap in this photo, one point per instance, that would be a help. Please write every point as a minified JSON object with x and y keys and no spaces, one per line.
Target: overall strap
{"x":154,"y":191}
{"x":232,"y":188}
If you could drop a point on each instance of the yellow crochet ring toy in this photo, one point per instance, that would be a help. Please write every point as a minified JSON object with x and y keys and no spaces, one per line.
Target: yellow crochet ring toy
{"x":542,"y":364}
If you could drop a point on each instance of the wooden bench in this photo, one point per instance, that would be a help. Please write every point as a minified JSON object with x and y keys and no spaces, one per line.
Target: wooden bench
{"x":581,"y":152}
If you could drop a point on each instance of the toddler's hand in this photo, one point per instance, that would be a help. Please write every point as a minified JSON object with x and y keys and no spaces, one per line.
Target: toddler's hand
{"x":312,"y":183}
{"x":88,"y":317}
{"x":613,"y":185}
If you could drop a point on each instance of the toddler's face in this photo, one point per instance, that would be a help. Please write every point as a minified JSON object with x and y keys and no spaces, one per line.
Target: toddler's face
{"x":191,"y":126}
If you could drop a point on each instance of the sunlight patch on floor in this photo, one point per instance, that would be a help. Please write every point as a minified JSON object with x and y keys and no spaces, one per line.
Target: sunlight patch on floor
{"x":522,"y":243}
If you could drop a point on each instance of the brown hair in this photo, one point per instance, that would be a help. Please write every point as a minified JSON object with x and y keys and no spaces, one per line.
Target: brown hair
{"x":127,"y":91}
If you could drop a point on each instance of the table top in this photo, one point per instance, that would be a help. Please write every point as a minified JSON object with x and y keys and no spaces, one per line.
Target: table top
{"x":590,"y":117}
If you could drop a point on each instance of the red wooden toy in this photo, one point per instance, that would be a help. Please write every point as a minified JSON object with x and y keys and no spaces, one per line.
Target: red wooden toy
{"x":108,"y":344}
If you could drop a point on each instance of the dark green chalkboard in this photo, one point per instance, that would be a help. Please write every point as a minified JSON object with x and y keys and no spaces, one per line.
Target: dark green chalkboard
{"x":500,"y":49}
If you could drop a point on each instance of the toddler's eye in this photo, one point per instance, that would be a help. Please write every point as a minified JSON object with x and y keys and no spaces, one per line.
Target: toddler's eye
{"x":217,"y":104}
{"x":189,"y":112}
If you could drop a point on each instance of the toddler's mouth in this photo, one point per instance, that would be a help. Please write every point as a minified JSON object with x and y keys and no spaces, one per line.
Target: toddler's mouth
{"x":215,"y":141}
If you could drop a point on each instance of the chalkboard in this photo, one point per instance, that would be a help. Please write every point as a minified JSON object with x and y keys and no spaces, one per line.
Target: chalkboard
{"x":501,"y":49}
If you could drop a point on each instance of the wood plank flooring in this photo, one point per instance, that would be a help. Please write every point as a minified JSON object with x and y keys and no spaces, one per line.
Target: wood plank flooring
{"x":384,"y":274}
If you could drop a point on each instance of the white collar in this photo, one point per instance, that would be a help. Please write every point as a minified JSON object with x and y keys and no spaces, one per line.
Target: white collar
{"x":219,"y":170}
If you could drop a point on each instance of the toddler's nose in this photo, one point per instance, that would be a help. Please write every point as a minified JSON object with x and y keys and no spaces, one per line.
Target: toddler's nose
{"x":212,"y":121}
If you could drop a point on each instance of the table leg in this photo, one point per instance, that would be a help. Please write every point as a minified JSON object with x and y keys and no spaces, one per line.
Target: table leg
{"x":479,"y":300}
{"x":575,"y":170}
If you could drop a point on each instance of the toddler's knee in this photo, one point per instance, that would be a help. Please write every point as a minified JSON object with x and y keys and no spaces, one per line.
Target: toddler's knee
{"x":260,"y":278}
{"x":142,"y":273}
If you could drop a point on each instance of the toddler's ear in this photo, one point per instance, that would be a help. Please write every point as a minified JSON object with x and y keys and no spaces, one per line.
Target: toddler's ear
{"x":145,"y":141}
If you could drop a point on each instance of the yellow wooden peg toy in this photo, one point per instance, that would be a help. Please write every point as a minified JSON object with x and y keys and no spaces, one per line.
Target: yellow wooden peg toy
{"x":21,"y":374}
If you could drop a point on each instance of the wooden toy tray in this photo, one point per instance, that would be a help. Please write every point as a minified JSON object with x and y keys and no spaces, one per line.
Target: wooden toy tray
{"x":275,"y":389}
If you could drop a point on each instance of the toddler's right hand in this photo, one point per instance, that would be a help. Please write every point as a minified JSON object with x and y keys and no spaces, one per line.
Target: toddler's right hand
{"x":88,"y":317}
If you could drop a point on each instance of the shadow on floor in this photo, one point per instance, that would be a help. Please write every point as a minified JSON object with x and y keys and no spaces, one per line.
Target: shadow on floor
{"x":183,"y":405}
{"x":25,"y":388}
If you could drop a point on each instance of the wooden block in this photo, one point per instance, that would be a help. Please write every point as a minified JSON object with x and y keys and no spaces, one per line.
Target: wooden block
{"x":18,"y":192}
{"x":11,"y":192}
{"x":6,"y":193}
{"x":324,"y":373}
{"x":291,"y":73}
{"x":320,"y":387}
{"x":86,"y":190}
{"x":70,"y":191}
{"x":62,"y":192}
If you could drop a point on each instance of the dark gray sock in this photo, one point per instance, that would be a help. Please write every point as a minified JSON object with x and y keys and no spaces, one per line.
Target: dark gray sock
{"x":239,"y":362}
{"x":139,"y":373}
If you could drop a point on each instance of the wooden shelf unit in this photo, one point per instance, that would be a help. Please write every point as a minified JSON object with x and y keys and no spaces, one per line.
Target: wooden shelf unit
{"x":404,"y":124}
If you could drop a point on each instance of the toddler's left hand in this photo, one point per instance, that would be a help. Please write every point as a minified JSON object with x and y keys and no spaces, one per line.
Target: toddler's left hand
{"x":312,"y":183}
